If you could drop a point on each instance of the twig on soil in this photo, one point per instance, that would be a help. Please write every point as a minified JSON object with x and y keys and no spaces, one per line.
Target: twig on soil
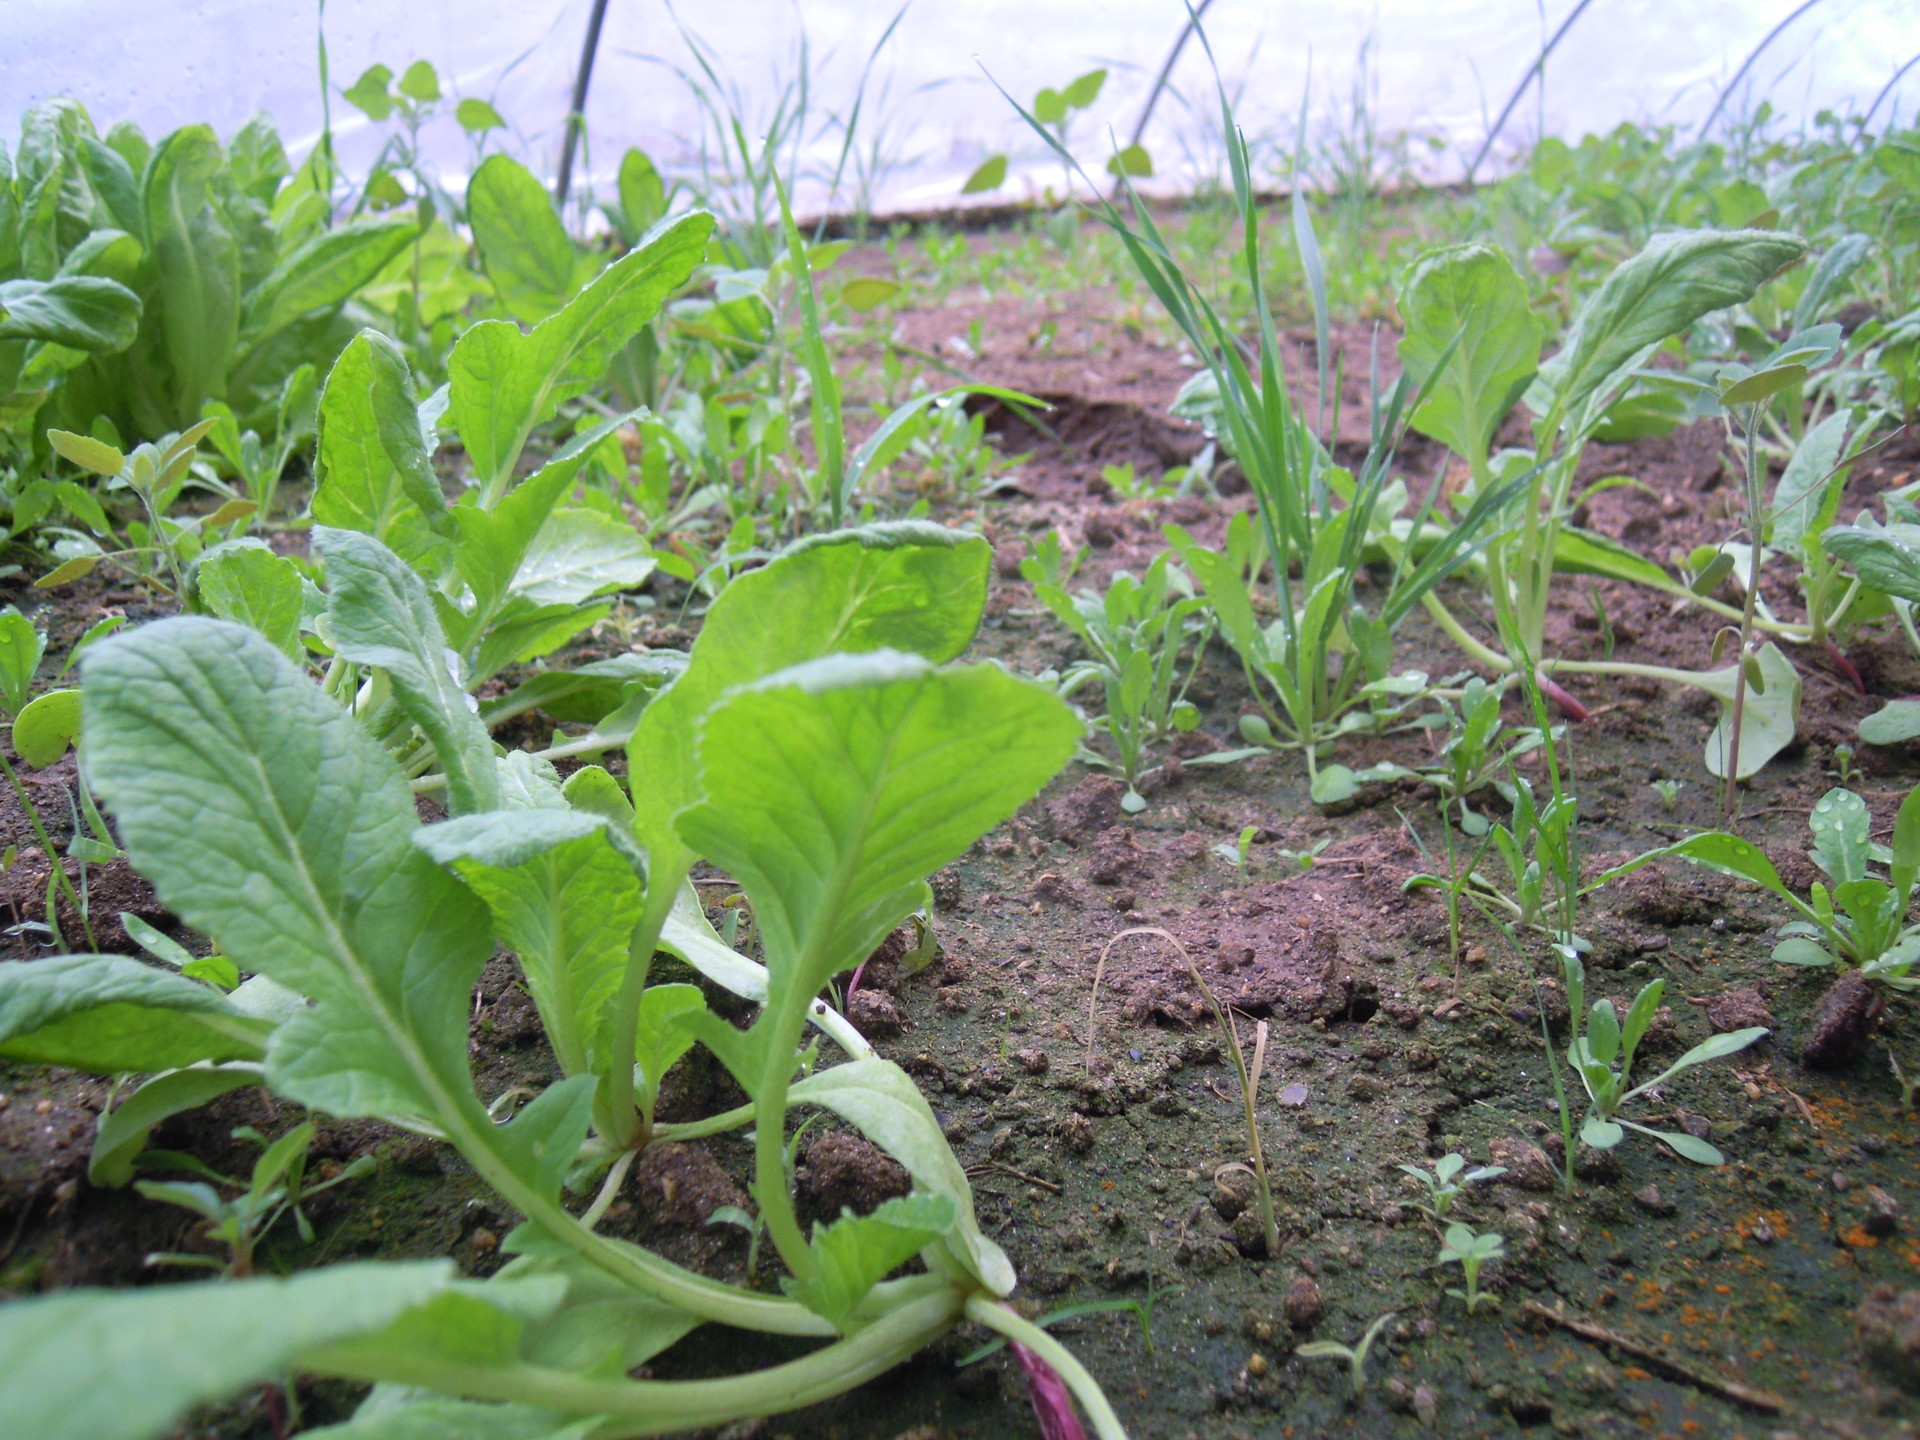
{"x":992,"y":1166}
{"x":1676,"y":1369}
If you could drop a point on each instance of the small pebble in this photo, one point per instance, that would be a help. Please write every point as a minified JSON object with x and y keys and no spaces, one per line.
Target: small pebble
{"x":1426,"y":1405}
{"x":1256,"y":1364}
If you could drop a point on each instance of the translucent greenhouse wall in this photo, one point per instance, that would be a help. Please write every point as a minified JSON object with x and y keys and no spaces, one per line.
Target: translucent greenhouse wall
{"x":1433,"y":71}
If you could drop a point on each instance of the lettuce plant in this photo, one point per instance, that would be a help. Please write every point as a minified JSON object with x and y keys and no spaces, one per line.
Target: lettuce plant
{"x":824,"y":754}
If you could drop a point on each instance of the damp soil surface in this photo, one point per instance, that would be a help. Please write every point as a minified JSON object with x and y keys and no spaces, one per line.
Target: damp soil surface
{"x":1083,"y":1081}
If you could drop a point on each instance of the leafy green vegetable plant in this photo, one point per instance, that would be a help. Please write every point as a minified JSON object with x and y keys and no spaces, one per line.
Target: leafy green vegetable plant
{"x":1470,"y":1251}
{"x":826,"y":787}
{"x":1601,"y":1052}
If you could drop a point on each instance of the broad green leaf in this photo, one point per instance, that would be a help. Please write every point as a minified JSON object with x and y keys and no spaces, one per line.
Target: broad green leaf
{"x":123,"y":1131}
{"x":112,"y":1015}
{"x":587,"y":693}
{"x":1686,"y":1146}
{"x":990,"y":174}
{"x":543,"y":1141}
{"x":905,"y":585}
{"x":196,"y":265}
{"x":1829,"y":278}
{"x":1133,"y":162}
{"x":1730,"y":855}
{"x":81,"y":312}
{"x":369,"y":93}
{"x":267,"y":818}
{"x":1600,"y":1134}
{"x":1582,"y":552}
{"x":1603,"y":1032}
{"x":1905,"y":850}
{"x":477,"y":116}
{"x":1679,"y":277}
{"x":1334,"y":783}
{"x":324,"y":271}
{"x":1886,"y":557}
{"x":112,"y":1365}
{"x":1770,"y":720}
{"x":1894,"y":723}
{"x":1715,"y":1047}
{"x":1049,"y":107}
{"x":503,"y":382}
{"x":420,"y":83}
{"x":383,"y":616}
{"x":1084,"y":90}
{"x":1798,"y":950}
{"x":880,"y":1100}
{"x":564,"y":900}
{"x":601,"y":1320}
{"x":370,"y":466}
{"x":864,"y":292}
{"x":1841,"y":835}
{"x":856,"y":1252}
{"x":1809,"y":488}
{"x":579,"y":554}
{"x":832,"y":789}
{"x":21,"y":648}
{"x":88,"y":453}
{"x":660,"y":1041}
{"x":524,"y":248}
{"x":1471,"y":292}
{"x":47,"y":725}
{"x":251,"y":585}
{"x":643,"y":198}
{"x":1762,"y":385}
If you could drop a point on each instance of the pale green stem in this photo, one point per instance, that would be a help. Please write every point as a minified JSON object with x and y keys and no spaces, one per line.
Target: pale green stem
{"x":996,"y":1316}
{"x":661,"y":1407}
{"x":666,"y":874}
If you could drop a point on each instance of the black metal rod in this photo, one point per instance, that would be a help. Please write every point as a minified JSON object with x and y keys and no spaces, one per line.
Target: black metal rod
{"x":577,"y":111}
{"x":1748,"y":63}
{"x":1536,"y":71}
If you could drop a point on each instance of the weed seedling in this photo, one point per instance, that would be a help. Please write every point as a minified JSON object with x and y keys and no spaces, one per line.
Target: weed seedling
{"x":1249,"y":1075}
{"x":277,"y":1186}
{"x":1142,"y":1309}
{"x":1354,"y":1355}
{"x":1234,"y":852}
{"x":1468,"y":1250}
{"x":1907,"y":1087}
{"x":1602,"y":1051}
{"x":1448,"y":1178}
{"x":1669,"y":792}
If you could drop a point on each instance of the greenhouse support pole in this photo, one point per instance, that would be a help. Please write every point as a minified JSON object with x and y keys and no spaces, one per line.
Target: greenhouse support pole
{"x":1536,"y":73}
{"x":577,"y":111}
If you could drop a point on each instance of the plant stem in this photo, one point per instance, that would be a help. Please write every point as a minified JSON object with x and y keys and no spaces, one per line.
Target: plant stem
{"x":996,"y":1316}
{"x":625,"y":1127}
{"x":1731,"y":757}
{"x":661,"y":1407}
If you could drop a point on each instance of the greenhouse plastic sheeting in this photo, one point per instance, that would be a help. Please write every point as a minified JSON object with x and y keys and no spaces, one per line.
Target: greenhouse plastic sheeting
{"x":1434,"y":71}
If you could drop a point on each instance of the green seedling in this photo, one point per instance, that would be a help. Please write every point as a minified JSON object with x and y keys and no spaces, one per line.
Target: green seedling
{"x":277,"y":1187}
{"x":752,"y":1225}
{"x":1844,"y":770}
{"x":1470,"y":1251}
{"x":1446,"y":1181}
{"x":1355,"y":1356}
{"x":1048,"y":563}
{"x":1669,"y":792}
{"x":1907,"y":1087}
{"x":1235,"y":851}
{"x":1303,"y":860}
{"x":1601,"y":1053}
{"x":1855,"y":919}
